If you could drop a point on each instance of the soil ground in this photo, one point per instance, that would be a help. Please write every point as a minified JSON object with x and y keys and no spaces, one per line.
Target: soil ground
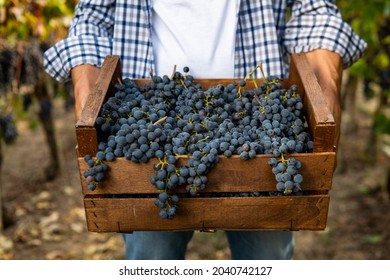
{"x":46,"y":219}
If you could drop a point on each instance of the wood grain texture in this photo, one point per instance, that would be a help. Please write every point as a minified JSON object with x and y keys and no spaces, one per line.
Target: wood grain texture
{"x":320,"y":119}
{"x":229,"y":175}
{"x":250,"y":213}
{"x":86,"y":141}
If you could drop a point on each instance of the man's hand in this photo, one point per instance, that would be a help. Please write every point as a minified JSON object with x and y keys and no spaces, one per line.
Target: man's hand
{"x":328,"y":68}
{"x":83,"y":78}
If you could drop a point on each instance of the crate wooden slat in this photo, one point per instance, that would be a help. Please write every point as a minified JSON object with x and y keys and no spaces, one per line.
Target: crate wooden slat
{"x":229,"y":175}
{"x":124,"y":201}
{"x":234,"y":213}
{"x":320,"y":119}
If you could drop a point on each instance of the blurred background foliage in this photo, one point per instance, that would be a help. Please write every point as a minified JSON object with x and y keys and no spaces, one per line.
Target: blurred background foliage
{"x":371,"y":20}
{"x":27,"y":29}
{"x":44,"y":20}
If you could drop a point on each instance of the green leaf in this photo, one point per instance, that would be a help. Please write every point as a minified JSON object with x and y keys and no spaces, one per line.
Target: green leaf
{"x":382,"y":123}
{"x":373,"y":238}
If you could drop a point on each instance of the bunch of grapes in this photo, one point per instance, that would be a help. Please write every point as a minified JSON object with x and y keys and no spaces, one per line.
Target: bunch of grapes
{"x":96,"y":170}
{"x":8,"y":58}
{"x":287,"y":174}
{"x":8,"y":129}
{"x":173,"y":117}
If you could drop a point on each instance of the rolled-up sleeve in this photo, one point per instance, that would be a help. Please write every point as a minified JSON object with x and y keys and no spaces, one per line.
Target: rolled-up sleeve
{"x":319,"y":25}
{"x":89,"y":40}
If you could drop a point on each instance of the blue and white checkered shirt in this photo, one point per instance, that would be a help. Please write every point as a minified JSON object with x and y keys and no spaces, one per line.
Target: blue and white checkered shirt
{"x":123,"y":27}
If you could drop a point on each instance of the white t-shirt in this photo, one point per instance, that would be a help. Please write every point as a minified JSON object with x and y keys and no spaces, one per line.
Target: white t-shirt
{"x":199,"y":34}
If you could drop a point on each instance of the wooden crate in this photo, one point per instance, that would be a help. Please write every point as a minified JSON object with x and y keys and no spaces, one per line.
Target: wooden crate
{"x":124,"y":202}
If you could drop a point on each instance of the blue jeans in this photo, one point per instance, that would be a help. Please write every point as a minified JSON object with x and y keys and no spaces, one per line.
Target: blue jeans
{"x":244,"y":245}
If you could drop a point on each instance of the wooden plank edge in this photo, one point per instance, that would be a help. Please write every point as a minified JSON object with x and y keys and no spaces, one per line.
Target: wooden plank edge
{"x":315,"y":103}
{"x":109,"y":74}
{"x":317,"y":168}
{"x":277,"y":213}
{"x":324,"y":138}
{"x":86,"y":141}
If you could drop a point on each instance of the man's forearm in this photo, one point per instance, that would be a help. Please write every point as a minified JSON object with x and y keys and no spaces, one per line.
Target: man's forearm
{"x":83,"y":79}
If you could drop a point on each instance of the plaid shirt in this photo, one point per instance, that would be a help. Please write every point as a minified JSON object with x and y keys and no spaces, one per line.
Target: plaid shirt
{"x":123,"y":27}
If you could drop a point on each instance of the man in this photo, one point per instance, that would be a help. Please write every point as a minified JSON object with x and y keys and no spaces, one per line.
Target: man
{"x":215,"y":38}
